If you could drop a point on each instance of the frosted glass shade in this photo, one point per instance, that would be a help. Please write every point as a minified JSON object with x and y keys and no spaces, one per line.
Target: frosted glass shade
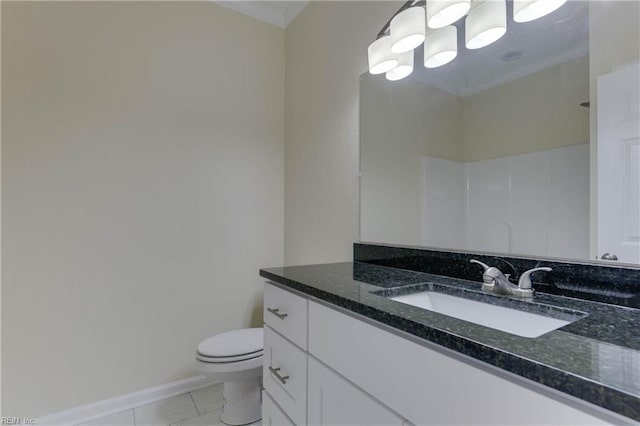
{"x":407,"y":30}
{"x":441,"y":13}
{"x":528,"y":10}
{"x":404,"y":67}
{"x":440,"y":47}
{"x":486,"y":23}
{"x":381,"y":59}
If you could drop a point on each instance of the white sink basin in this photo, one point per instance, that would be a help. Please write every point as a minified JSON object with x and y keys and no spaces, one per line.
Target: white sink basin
{"x":509,"y":320}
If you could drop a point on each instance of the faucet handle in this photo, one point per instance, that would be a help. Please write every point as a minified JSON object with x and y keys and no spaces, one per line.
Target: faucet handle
{"x":484,"y":265}
{"x":485,"y":278}
{"x":525,"y":279}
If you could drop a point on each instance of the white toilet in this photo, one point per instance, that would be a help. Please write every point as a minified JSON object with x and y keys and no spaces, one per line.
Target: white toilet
{"x":235,"y":357}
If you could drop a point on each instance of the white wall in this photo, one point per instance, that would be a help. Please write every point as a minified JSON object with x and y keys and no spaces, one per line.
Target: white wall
{"x":532,"y":204}
{"x":142,"y":186}
{"x":326,"y":53}
{"x":529,"y":204}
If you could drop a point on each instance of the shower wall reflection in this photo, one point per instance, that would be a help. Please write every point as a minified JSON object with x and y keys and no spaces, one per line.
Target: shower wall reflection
{"x":478,"y":171}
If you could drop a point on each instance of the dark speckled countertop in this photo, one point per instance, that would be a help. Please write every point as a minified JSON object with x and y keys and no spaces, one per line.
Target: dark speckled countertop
{"x":596,"y":358}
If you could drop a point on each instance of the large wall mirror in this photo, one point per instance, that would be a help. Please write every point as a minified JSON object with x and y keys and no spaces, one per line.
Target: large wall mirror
{"x":529,"y":146}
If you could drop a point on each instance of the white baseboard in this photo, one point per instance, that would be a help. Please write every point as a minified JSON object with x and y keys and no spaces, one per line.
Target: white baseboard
{"x":106,"y":407}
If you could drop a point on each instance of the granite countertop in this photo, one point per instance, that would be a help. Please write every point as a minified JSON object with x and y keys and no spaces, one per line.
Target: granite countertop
{"x":596,"y":358}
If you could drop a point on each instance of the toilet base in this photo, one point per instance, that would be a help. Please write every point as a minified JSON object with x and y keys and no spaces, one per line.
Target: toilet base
{"x":242,"y":402}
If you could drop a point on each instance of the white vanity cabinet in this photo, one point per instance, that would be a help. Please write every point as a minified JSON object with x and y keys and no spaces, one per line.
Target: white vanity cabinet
{"x":285,"y":358}
{"x":334,"y":401}
{"x":426,"y":386}
{"x":347,"y":370}
{"x":299,"y":390}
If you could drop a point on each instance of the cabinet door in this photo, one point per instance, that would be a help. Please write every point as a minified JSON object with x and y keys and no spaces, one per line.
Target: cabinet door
{"x":425,"y":386}
{"x":334,"y":401}
{"x":272,"y":415}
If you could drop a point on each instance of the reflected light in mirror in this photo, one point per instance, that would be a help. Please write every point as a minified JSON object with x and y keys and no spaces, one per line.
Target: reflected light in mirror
{"x":441,"y":13}
{"x":407,"y":30}
{"x":441,"y":47}
{"x":404,"y":68}
{"x":528,"y":10}
{"x":486,"y":23}
{"x":381,"y":59}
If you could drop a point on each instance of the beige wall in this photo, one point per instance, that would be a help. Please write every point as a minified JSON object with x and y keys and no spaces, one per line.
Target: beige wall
{"x":534,"y":113}
{"x":142,"y":186}
{"x":614,"y":39}
{"x":400,"y":122}
{"x":326,"y":51}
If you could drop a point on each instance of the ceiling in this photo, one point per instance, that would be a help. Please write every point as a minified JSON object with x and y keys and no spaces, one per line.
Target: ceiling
{"x":279,"y":13}
{"x":556,"y":38}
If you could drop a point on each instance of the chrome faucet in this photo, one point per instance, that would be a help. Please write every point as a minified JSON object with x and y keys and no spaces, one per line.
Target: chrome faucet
{"x":498,"y":282}
{"x":494,"y":281}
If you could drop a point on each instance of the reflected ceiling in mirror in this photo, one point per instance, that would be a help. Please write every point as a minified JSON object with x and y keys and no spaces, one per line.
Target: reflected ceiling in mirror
{"x":524,"y":49}
{"x":494,"y":151}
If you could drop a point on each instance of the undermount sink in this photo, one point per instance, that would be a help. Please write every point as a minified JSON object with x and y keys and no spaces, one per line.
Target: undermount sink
{"x":514,"y":321}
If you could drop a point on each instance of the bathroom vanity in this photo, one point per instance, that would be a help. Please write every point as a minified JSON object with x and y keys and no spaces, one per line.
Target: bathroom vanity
{"x":339,"y":350}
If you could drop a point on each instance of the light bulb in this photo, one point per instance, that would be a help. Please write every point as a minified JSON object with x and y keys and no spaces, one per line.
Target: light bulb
{"x":528,"y":10}
{"x":440,"y":47}
{"x":407,"y":30}
{"x":404,"y":67}
{"x":381,"y":59}
{"x":441,"y":13}
{"x":486,"y":23}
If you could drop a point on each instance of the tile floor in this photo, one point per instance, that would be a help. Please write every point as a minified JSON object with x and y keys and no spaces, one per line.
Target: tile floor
{"x":198,"y":408}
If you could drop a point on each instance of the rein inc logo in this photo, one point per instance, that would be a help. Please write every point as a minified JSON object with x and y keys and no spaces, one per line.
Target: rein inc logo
{"x":17,"y":421}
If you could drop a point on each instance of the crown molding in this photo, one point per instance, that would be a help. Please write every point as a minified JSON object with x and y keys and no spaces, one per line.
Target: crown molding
{"x":292,"y":10}
{"x":278,"y":16}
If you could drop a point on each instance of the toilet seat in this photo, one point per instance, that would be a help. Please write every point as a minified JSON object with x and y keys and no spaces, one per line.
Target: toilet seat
{"x":228,"y":370}
{"x":236,"y":345}
{"x":227,"y":359}
{"x":235,"y":370}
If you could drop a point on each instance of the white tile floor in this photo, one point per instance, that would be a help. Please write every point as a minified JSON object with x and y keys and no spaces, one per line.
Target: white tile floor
{"x":198,"y":408}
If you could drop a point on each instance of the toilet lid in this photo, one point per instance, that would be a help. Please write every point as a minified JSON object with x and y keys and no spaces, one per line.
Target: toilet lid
{"x":227,"y":359}
{"x":232,"y":343}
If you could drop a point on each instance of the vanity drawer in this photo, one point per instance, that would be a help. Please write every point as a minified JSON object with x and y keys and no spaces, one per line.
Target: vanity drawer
{"x":285,"y":375}
{"x":286,"y":313}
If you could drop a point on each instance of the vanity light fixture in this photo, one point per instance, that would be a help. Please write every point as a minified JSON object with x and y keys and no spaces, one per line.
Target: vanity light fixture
{"x":381,"y":59}
{"x":485,"y":23}
{"x":404,"y":67}
{"x":528,"y":10}
{"x":440,"y":47}
{"x":441,"y":13}
{"x":410,"y":26}
{"x":407,"y":29}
